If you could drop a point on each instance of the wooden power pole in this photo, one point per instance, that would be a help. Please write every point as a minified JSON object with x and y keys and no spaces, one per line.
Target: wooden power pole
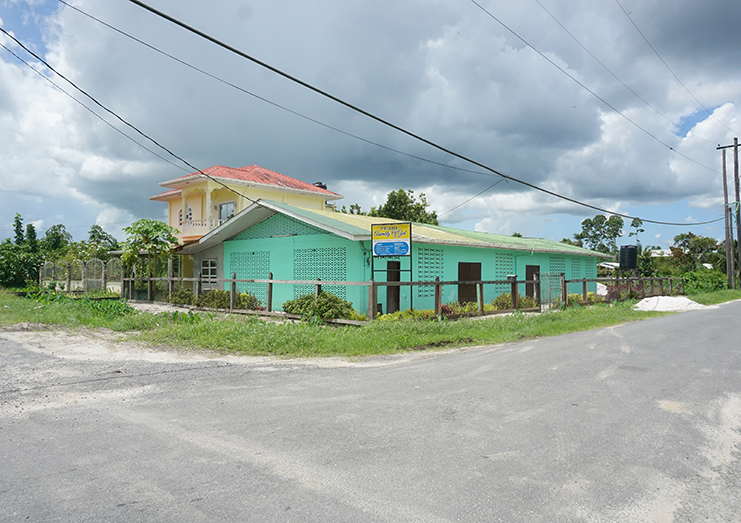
{"x":730,"y":262}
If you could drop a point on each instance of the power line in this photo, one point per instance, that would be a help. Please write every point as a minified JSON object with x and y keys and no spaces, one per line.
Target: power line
{"x":615,"y":76}
{"x":266,"y":100}
{"x":471,"y":198}
{"x":580,"y":84}
{"x":670,"y":69}
{"x":389,"y":124}
{"x":42,"y":75}
{"x":124,"y":121}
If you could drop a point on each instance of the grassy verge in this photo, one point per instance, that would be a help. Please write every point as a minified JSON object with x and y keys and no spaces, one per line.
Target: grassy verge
{"x":301,"y":340}
{"x":713,"y":298}
{"x":251,"y":336}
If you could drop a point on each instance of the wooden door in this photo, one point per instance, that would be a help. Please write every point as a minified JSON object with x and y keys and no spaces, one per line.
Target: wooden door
{"x":393,"y":273}
{"x":531,"y":272}
{"x":468,"y":271}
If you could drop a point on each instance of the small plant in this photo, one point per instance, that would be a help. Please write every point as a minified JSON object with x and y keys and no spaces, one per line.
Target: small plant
{"x":326,"y":306}
{"x":411,"y":314}
{"x":248,"y":302}
{"x":503,"y":302}
{"x":181,"y":296}
{"x":183,"y":318}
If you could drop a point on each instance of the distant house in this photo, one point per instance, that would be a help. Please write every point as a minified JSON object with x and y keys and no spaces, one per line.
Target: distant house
{"x":301,"y":243}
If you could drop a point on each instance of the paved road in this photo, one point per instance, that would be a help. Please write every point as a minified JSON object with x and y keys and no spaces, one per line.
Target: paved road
{"x":639,"y":422}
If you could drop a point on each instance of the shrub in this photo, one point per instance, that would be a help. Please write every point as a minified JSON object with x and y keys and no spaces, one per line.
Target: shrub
{"x":592,"y":298}
{"x":181,"y":296}
{"x":704,"y":280}
{"x":248,"y":302}
{"x":504,"y":302}
{"x":413,"y":314}
{"x":326,"y":306}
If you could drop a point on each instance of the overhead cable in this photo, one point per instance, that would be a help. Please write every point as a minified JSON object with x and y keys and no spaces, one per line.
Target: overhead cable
{"x":583,"y":86}
{"x":670,"y":69}
{"x":616,"y":77}
{"x":392,"y":125}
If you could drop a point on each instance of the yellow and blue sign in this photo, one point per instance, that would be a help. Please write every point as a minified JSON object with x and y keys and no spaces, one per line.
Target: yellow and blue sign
{"x":392,"y":239}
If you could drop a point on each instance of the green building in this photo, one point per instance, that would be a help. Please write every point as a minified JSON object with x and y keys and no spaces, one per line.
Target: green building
{"x":296,"y":243}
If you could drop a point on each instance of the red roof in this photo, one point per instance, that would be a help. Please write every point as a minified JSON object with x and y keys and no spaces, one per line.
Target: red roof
{"x":254,"y":174}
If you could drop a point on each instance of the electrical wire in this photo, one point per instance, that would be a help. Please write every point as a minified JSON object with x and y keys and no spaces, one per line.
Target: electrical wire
{"x":398,"y":128}
{"x":583,"y":86}
{"x":266,"y":100}
{"x":471,"y":198}
{"x":669,"y":68}
{"x":194,"y":168}
{"x":109,"y":124}
{"x":616,"y":77}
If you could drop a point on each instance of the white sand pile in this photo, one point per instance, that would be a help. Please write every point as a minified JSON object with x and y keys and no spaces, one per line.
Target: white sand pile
{"x":668,"y":303}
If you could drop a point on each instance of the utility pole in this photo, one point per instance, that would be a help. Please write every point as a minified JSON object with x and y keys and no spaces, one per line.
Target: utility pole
{"x":729,"y":213}
{"x":730,"y":265}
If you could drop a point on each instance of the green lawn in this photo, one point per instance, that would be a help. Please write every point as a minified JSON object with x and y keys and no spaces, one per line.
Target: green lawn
{"x":252,"y":336}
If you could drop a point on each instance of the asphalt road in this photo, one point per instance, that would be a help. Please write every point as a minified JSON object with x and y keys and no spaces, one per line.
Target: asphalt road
{"x":640,"y":422}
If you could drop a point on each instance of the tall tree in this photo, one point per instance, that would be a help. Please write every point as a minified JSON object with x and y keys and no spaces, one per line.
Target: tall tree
{"x":56,"y":240}
{"x":18,"y":229}
{"x":600,"y":233}
{"x":403,"y":205}
{"x":31,"y":239}
{"x":690,"y":250}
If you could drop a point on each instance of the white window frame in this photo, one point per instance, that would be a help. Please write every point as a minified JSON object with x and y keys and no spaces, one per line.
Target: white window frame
{"x":209,"y":273}
{"x":223,"y":205}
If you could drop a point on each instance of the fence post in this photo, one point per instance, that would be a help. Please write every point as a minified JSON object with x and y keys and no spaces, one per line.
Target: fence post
{"x":132,"y":285}
{"x":83,"y":277}
{"x":371,"y":299}
{"x":105,"y":277}
{"x":564,"y":289}
{"x":643,"y":287}
{"x":150,"y":287}
{"x":438,"y":298}
{"x":269,"y":297}
{"x":513,"y":292}
{"x":233,"y":292}
{"x":69,"y":278}
{"x":584,"y":291}
{"x":480,"y":288}
{"x":536,"y":287}
{"x":199,"y":285}
{"x":661,"y":286}
{"x":318,"y":289}
{"x":671,"y":286}
{"x":169,"y":278}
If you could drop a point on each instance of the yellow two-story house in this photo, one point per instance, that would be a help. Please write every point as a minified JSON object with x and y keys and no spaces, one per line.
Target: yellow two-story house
{"x":201,"y":201}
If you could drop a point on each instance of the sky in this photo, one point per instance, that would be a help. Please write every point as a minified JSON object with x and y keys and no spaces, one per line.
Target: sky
{"x":619,"y":105}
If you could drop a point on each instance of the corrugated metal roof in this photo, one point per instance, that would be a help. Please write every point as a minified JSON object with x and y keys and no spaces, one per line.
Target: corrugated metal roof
{"x":359,"y":227}
{"x":253,"y":174}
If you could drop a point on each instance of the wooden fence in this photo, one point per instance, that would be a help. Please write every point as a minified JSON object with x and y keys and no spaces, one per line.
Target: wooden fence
{"x":617,"y":288}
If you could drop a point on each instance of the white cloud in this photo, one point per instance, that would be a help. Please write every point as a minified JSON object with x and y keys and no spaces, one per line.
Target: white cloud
{"x":454,"y":76}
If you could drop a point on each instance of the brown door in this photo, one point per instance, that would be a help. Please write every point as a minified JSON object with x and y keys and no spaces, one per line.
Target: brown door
{"x":531,"y":272}
{"x":393,"y":273}
{"x":468,"y":272}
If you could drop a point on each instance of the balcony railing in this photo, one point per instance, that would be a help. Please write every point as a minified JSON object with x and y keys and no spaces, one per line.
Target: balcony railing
{"x":199,"y":227}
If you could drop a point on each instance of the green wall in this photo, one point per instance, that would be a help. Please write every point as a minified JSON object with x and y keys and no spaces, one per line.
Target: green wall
{"x":293,"y":250}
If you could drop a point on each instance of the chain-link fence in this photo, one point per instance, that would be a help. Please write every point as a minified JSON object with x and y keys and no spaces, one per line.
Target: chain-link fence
{"x":79,"y":276}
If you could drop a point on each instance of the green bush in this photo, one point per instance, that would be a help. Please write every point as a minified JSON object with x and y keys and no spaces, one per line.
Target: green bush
{"x":577,"y":298}
{"x":325,"y":306}
{"x":248,"y":302}
{"x":409,"y":314}
{"x":181,"y":296}
{"x":704,"y":280}
{"x":504,"y":302}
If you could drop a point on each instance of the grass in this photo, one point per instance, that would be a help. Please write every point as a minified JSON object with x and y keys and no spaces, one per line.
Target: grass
{"x":250,"y":336}
{"x":303,"y":340}
{"x":713,"y":298}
